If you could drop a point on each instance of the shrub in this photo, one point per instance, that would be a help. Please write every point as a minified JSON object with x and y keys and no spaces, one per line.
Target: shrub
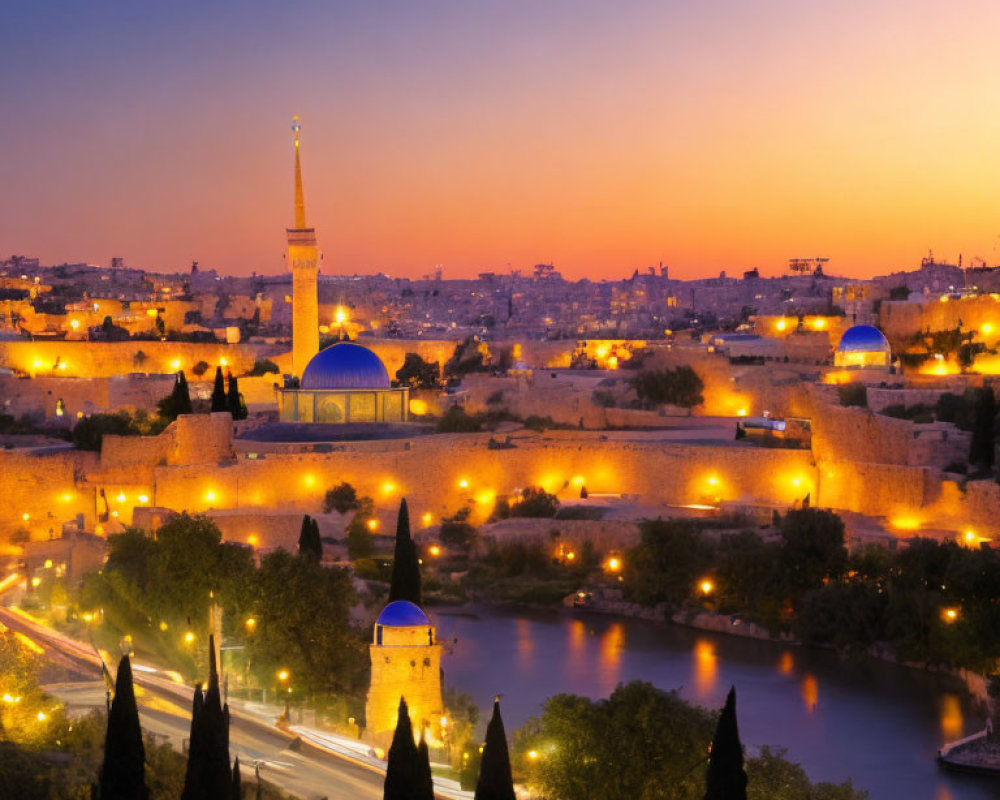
{"x":341,"y":498}
{"x":261,"y":367}
{"x":456,"y":420}
{"x":534,"y":502}
{"x":853,"y":394}
{"x":200,"y":368}
{"x":456,"y":532}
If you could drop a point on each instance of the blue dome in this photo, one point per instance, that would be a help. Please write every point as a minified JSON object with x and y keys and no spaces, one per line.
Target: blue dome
{"x":863,"y":339}
{"x":345,"y":366}
{"x":402,"y":614}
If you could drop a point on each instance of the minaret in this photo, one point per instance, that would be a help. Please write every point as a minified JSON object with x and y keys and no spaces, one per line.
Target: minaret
{"x":303,"y":257}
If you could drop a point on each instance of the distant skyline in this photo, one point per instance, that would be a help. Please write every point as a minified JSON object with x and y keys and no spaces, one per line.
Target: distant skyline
{"x":496,"y":134}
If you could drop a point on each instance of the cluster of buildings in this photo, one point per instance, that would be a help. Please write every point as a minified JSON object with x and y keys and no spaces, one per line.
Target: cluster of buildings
{"x":772,"y":430}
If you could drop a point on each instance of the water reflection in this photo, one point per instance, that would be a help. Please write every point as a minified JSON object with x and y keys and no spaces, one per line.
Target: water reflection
{"x":706,"y":668}
{"x":810,"y":693}
{"x":610,"y":655}
{"x":525,"y":644}
{"x":952,"y":720}
{"x":787,"y":664}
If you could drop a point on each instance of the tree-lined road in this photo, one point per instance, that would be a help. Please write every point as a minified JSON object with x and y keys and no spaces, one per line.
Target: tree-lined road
{"x":311,"y":772}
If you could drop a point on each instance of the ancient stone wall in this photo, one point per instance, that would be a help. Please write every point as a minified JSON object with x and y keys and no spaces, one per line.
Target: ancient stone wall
{"x":102,"y":359}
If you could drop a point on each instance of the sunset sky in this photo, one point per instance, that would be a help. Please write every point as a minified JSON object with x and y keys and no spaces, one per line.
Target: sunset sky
{"x":600,"y":135}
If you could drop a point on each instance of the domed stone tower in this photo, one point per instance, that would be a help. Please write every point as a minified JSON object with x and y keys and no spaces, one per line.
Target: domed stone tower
{"x":863,"y":346}
{"x":406,"y":662}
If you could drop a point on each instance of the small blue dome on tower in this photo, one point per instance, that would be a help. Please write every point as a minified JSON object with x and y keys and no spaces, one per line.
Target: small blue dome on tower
{"x":402,"y":614}
{"x":345,"y":366}
{"x":863,"y":339}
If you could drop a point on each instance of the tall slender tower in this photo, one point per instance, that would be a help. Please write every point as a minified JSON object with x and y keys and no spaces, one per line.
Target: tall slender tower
{"x":303,"y":256}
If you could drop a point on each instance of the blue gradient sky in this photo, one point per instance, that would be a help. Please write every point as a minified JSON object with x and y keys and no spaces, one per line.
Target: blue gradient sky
{"x":603,"y":136}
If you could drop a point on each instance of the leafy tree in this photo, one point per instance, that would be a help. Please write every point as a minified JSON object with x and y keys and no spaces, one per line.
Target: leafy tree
{"x":534,"y":501}
{"x":417,"y":373}
{"x":726,"y":779}
{"x":359,"y":539}
{"x":200,"y":368}
{"x":123,"y":773}
{"x":467,"y":357}
{"x":89,"y":431}
{"x":405,"y":583}
{"x":263,"y":367}
{"x":177,"y":402}
{"x":219,"y":392}
{"x":495,"y":780}
{"x":848,"y":616}
{"x":456,"y":533}
{"x":982,"y":448}
{"x":746,"y":570}
{"x":681,"y":386}
{"x":642,"y":742}
{"x":667,"y":563}
{"x":812,"y":549}
{"x":341,"y":498}
{"x":303,"y":625}
{"x":457,"y":420}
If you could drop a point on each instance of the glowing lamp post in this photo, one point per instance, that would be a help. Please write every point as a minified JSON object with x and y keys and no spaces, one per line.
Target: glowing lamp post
{"x":707,"y":587}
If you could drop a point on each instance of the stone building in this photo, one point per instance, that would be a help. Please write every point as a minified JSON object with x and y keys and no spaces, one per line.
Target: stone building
{"x":344,"y":383}
{"x":406,"y":662}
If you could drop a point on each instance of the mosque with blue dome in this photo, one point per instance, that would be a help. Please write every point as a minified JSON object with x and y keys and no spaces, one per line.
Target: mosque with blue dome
{"x":863,"y":346}
{"x":344,"y":383}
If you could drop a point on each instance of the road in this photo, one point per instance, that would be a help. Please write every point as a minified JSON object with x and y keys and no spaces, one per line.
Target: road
{"x":307,"y":774}
{"x":312,"y":772}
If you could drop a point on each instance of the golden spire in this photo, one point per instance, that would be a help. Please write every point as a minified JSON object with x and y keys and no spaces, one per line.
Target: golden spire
{"x":300,"y":203}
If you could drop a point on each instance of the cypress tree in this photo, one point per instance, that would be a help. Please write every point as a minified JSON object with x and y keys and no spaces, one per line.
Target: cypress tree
{"x":405,"y":564}
{"x":726,"y":779}
{"x":192,"y":776}
{"x":123,"y":773}
{"x":183,"y":402}
{"x":237,"y":788}
{"x":305,"y":534}
{"x":209,"y":776}
{"x":495,"y":780}
{"x":233,"y":403}
{"x":317,"y":541}
{"x":403,"y":771}
{"x":425,"y":787}
{"x":219,"y":392}
{"x":981,"y":450}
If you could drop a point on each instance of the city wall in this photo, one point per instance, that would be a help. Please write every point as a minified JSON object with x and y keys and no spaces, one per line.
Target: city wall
{"x":103,"y":359}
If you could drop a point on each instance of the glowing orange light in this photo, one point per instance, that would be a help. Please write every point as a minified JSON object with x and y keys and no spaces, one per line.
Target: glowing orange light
{"x":706,"y":587}
{"x":434,"y":550}
{"x":373,"y":524}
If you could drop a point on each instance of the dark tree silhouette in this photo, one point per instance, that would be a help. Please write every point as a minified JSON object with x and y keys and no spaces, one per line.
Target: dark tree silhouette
{"x":495,"y":780}
{"x":405,"y":564}
{"x":208,"y":775}
{"x":403,"y":773}
{"x":219,"y":392}
{"x":982,"y":448}
{"x":726,"y":779}
{"x":234,"y":403}
{"x":123,"y":773}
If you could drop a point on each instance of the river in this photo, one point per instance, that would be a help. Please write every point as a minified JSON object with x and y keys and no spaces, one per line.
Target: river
{"x":875,"y":723}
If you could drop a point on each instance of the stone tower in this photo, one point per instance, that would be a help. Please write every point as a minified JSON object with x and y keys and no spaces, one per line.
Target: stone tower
{"x":303,"y":257}
{"x":406,"y":662}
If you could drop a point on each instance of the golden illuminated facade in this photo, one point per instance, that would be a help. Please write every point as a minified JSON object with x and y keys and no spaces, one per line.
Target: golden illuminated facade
{"x":406,"y":662}
{"x":303,"y":258}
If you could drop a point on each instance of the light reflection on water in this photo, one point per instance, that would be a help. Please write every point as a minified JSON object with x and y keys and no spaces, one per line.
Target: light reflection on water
{"x":877,"y":723}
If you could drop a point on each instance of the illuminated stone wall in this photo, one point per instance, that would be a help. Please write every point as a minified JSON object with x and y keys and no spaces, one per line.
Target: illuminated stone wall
{"x":102,"y":359}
